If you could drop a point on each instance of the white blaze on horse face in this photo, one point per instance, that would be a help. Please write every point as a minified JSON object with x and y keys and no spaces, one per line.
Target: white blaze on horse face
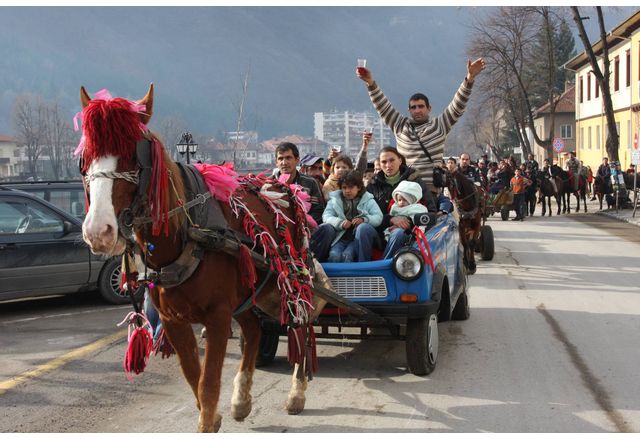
{"x":100,"y":226}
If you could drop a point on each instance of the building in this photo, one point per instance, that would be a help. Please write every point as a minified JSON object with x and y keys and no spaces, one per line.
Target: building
{"x":564,"y":126}
{"x":9,"y":155}
{"x":344,"y":129}
{"x":591,"y":125}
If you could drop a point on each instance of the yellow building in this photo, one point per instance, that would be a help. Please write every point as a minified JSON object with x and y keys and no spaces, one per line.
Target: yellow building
{"x":624,"y":84}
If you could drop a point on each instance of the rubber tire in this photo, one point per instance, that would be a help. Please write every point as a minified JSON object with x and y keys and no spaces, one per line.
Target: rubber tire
{"x":504,"y":213}
{"x":487,"y":244}
{"x":109,"y":283}
{"x":461,"y":310}
{"x":422,"y":354}
{"x":267,"y":348}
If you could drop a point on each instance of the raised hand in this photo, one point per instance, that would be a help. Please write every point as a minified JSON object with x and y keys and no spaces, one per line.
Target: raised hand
{"x":364,"y":74}
{"x":474,"y":68}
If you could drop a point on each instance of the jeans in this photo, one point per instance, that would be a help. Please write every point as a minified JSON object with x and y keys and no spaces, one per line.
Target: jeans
{"x":321,"y":241}
{"x":518,"y":201}
{"x":343,"y":251}
{"x":152,"y":315}
{"x":397,"y":239}
{"x":324,"y":235}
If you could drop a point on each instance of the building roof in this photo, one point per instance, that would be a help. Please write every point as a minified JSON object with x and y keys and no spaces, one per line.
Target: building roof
{"x":618,"y":33}
{"x":566,"y":103}
{"x":6,"y":138}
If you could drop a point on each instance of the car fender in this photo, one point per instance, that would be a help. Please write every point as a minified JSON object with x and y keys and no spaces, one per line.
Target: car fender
{"x":439,"y":275}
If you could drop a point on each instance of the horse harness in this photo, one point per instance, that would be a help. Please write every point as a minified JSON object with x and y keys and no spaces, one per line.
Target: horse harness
{"x":208,"y":228}
{"x":465,"y":214}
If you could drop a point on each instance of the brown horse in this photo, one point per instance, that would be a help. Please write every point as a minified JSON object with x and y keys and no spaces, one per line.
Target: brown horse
{"x":470,"y":202}
{"x":546,"y":191}
{"x":202,"y":284}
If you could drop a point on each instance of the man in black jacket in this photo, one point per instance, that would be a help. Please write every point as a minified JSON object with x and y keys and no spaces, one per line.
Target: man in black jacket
{"x":287,"y":159}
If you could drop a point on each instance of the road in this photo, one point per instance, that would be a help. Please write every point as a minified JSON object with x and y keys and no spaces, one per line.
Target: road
{"x":551,"y":346}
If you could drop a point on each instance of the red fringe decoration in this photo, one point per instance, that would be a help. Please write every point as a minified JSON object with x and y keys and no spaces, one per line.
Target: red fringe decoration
{"x":312,"y":347}
{"x":296,"y":345}
{"x":248,"y":271}
{"x":110,"y":127}
{"x":138,"y":351}
{"x":159,"y":190}
{"x":163,"y":345}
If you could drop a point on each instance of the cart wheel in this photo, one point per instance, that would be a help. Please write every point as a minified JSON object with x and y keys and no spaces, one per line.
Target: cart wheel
{"x":487,"y":243}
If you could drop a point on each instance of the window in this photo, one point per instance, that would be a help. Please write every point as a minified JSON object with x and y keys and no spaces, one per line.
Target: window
{"x":565,"y":131}
{"x":18,"y":217}
{"x":589,"y":86}
{"x":581,"y":138}
{"x":581,"y":91}
{"x":597,"y":136}
{"x":616,"y":73}
{"x":597,"y":89}
{"x":628,"y":68}
{"x":589,"y":138}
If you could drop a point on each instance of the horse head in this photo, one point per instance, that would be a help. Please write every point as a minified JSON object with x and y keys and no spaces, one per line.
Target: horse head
{"x":114,"y":136}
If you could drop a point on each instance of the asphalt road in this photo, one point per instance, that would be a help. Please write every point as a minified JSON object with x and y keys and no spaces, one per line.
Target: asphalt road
{"x":551,"y":346}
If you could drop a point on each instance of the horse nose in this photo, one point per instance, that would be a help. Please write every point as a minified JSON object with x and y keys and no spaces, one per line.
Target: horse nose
{"x":100,"y":235}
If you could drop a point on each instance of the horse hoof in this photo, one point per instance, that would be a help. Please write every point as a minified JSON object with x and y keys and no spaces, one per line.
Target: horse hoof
{"x":295,"y":405}
{"x":471,"y":270}
{"x":210,"y":428}
{"x":241,"y":410}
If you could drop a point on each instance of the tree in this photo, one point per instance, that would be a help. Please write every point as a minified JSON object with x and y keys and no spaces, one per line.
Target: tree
{"x":169,"y":130}
{"x":28,"y":118}
{"x":513,"y":40}
{"x":602,"y":78}
{"x":58,"y":138}
{"x":240,"y":111}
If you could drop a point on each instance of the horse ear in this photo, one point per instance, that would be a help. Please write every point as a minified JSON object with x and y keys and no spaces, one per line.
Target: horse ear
{"x":147,"y":101}
{"x":84,"y":96}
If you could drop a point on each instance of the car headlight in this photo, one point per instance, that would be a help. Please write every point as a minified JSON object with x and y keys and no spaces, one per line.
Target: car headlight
{"x":408,"y":264}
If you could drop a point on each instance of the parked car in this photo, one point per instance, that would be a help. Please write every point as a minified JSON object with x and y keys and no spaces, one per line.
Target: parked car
{"x":66,"y":195}
{"x":42,"y":252}
{"x":403,"y":296}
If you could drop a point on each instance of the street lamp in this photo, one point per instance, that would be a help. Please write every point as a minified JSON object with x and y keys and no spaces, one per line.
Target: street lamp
{"x":187,"y":145}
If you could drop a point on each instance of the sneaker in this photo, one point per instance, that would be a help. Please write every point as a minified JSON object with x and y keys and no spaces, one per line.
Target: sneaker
{"x":515,"y":219}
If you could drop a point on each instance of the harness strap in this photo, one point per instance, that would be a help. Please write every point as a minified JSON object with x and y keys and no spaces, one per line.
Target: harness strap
{"x":182,"y":268}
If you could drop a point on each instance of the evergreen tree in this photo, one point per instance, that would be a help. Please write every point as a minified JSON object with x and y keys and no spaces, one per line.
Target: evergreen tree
{"x":565,"y":49}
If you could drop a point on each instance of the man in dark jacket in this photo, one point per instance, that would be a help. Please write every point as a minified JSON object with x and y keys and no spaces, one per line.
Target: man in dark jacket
{"x":287,"y":159}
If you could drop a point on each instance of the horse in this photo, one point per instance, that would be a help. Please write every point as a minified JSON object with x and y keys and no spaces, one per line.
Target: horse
{"x":568,"y":189}
{"x":601,"y":187}
{"x":131,"y":183}
{"x":530,"y":194}
{"x":470,"y":201}
{"x":546,"y":191}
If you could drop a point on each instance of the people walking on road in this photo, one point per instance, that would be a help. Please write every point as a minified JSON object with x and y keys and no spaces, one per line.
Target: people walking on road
{"x":420,"y":138}
{"x":519,"y":185}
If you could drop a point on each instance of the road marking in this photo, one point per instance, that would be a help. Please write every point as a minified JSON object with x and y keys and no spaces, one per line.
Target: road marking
{"x":66,"y":314}
{"x":61,"y":360}
{"x":591,"y":382}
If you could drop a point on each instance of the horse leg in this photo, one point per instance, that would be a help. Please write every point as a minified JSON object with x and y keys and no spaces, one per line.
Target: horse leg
{"x":218,"y":326}
{"x":470,"y":256}
{"x":241,"y":398}
{"x":296,"y":398}
{"x":181,"y":336}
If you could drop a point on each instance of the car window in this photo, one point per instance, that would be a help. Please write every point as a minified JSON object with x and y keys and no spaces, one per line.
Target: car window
{"x":69,"y":200}
{"x":22,"y":217}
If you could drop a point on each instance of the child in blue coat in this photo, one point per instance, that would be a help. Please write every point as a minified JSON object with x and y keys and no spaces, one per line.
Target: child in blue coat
{"x":354,"y":215}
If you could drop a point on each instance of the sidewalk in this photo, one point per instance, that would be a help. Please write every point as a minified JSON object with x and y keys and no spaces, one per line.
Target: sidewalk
{"x":621,"y":215}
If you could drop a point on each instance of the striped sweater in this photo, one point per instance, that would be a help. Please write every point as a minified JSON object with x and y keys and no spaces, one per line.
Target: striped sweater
{"x":433,"y":132}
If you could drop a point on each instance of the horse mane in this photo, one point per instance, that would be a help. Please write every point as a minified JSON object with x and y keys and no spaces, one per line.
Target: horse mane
{"x":110,"y":127}
{"x":175,"y":193}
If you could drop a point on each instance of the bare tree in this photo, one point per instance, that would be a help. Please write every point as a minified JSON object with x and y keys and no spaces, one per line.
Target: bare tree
{"x":240,"y":111}
{"x":28,"y":117}
{"x":506,"y":39}
{"x":602,"y":77}
{"x":169,"y":130}
{"x":58,"y":138}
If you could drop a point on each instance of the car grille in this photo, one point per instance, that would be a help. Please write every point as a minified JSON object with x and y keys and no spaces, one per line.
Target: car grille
{"x":352,"y":287}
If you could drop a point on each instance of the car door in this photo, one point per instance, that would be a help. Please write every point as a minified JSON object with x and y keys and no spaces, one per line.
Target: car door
{"x":39,"y":254}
